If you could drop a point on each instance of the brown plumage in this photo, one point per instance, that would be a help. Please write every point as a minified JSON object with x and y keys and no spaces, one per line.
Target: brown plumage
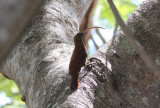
{"x":78,"y":58}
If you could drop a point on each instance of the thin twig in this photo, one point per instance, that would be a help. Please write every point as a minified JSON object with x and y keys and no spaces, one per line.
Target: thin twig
{"x":135,"y":44}
{"x":94,"y":43}
{"x":107,"y":54}
{"x":114,"y":35}
{"x":100,"y":35}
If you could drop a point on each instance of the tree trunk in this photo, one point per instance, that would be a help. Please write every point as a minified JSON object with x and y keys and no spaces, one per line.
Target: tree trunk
{"x":38,"y":64}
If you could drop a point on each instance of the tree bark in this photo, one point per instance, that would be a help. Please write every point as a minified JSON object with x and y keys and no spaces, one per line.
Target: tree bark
{"x":136,"y":84}
{"x":38,"y":64}
{"x":14,"y":17}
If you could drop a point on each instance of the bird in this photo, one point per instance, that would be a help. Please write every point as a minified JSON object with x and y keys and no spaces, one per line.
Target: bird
{"x":78,"y":58}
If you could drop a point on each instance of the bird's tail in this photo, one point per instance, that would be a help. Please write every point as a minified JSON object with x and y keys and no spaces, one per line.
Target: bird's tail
{"x":74,"y":81}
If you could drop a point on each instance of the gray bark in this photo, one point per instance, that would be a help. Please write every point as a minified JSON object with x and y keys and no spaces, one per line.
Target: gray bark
{"x":136,"y":84}
{"x":39,"y":62}
{"x":14,"y":16}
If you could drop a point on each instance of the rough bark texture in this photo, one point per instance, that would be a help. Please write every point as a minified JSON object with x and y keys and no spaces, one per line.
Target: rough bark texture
{"x":14,"y":16}
{"x":39,"y":62}
{"x":135,"y":82}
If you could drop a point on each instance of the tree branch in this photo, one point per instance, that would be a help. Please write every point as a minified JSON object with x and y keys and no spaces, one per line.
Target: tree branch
{"x":100,"y":35}
{"x":136,"y":45}
{"x":94,"y":42}
{"x":114,"y":34}
{"x":14,"y":17}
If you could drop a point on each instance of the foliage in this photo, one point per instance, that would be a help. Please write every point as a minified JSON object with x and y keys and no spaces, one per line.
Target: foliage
{"x":11,"y":92}
{"x":106,"y":18}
